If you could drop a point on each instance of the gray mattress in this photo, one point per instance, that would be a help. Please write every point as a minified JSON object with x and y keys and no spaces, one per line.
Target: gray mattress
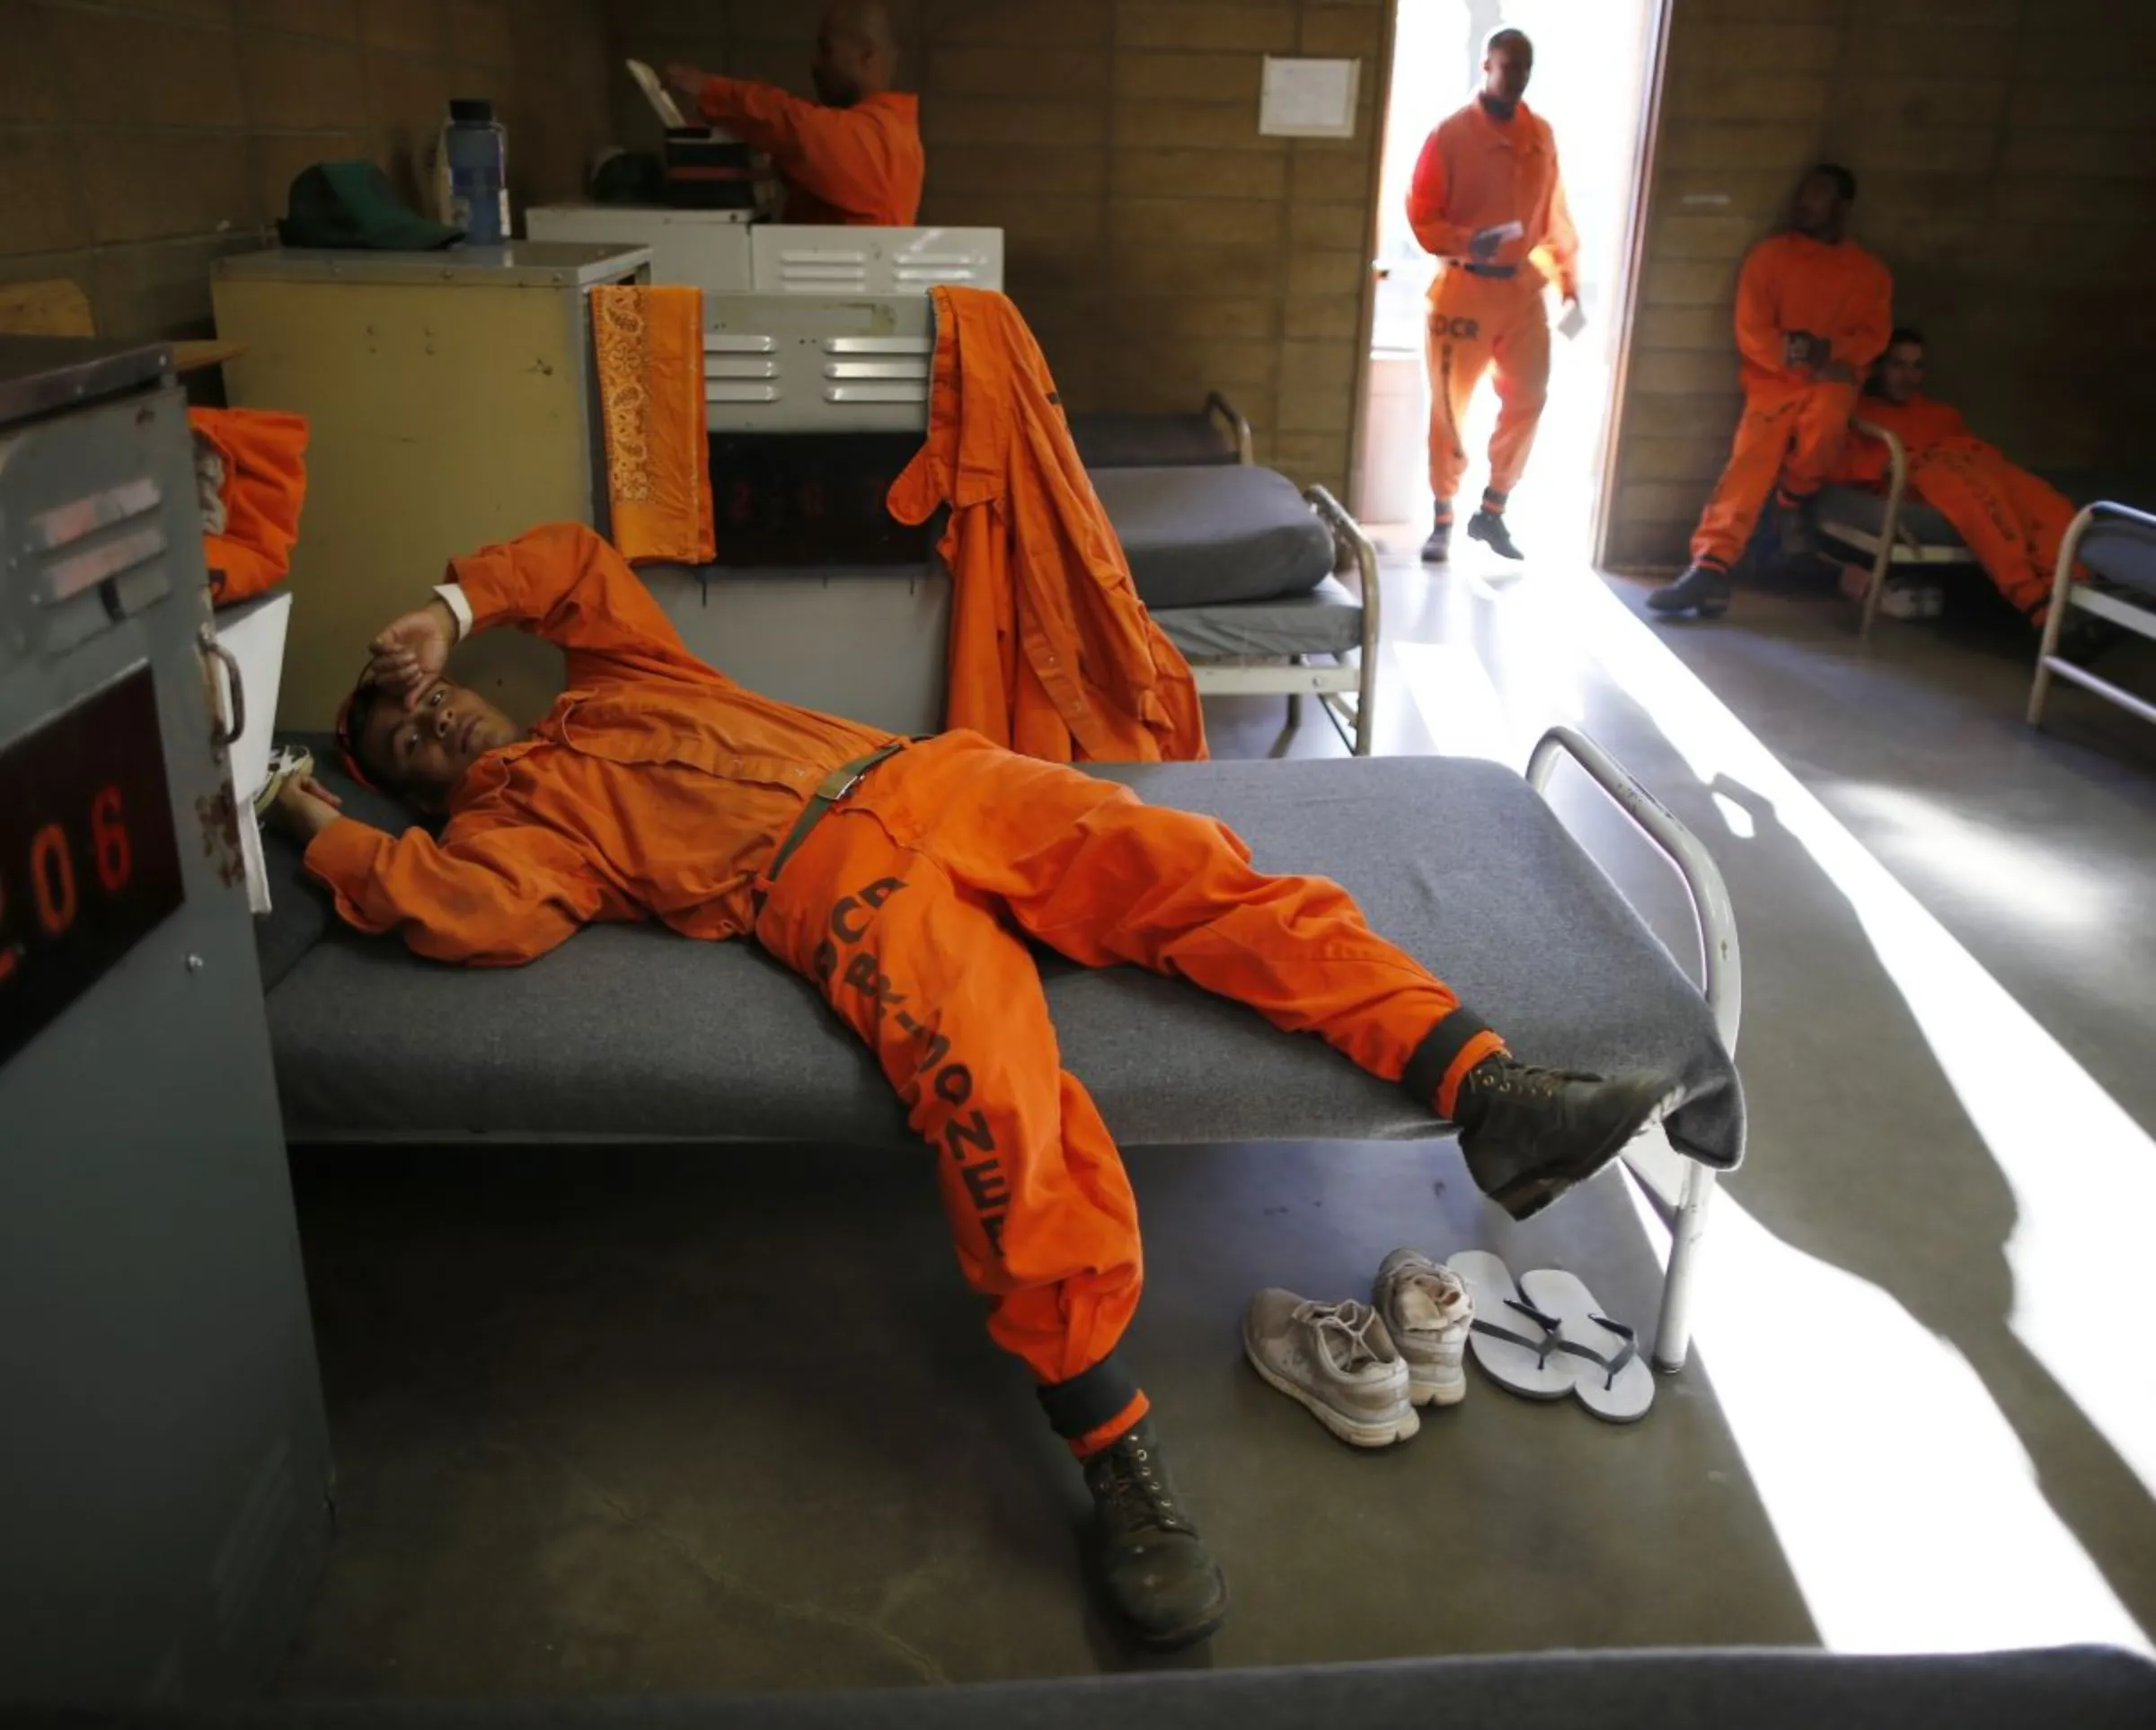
{"x":1327,"y":621}
{"x":630,"y":1030}
{"x":1857,"y":509}
{"x":1203,"y":537}
{"x":1150,"y":441}
{"x":2123,"y":553}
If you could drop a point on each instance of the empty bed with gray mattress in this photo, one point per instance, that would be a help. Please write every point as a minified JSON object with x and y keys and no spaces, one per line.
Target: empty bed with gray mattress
{"x":1243,"y":572}
{"x":632,"y":1031}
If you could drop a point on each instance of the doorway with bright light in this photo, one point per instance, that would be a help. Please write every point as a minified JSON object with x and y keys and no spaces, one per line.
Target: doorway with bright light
{"x":1592,"y":66}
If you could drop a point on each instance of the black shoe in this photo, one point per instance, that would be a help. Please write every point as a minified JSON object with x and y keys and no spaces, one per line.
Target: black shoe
{"x":1487,"y":527}
{"x":1158,"y":1574}
{"x":1530,"y":1134}
{"x":1702,"y":589}
{"x":1438,"y":548}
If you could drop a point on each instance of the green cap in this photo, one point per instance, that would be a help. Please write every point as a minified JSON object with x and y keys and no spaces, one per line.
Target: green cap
{"x":353,"y":204}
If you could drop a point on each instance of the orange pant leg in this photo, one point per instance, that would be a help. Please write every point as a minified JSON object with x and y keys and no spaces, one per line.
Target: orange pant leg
{"x":1088,"y":869}
{"x":1821,"y":434}
{"x":1457,"y":346}
{"x":1522,"y":364}
{"x":1763,"y":435}
{"x":948,"y":997}
{"x":2012,"y":520}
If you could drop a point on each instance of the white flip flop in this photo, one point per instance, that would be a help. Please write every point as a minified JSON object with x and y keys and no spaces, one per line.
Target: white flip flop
{"x":1611,"y":1380}
{"x":1519,"y":1347}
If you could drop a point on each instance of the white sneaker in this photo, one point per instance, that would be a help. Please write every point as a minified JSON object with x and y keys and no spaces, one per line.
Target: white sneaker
{"x":1428,"y":1311}
{"x":1336,"y":1361}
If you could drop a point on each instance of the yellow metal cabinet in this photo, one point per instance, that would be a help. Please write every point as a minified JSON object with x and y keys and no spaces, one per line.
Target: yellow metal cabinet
{"x":451,"y":401}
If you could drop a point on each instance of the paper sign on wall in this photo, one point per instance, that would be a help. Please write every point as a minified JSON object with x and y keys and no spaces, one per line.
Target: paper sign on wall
{"x":1309,"y":99}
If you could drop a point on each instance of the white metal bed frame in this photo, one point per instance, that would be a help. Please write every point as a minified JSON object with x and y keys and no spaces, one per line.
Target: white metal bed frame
{"x":1347,"y":689}
{"x":2139,"y":617}
{"x":1893,"y":544}
{"x":1233,"y":424}
{"x":1721,"y":983}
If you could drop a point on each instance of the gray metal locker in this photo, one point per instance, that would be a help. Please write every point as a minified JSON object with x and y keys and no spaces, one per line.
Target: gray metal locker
{"x":164,"y":1465}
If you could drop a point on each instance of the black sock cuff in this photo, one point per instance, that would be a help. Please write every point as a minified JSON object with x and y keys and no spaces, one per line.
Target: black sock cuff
{"x":1494,"y":502}
{"x":1440,"y":1049}
{"x":1089,"y":1400}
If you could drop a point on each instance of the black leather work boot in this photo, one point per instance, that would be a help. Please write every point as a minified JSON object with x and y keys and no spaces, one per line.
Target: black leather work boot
{"x":1530,"y":1134}
{"x":1158,"y":1574}
{"x":1489,"y":527}
{"x":1438,"y":548}
{"x":1702,"y":589}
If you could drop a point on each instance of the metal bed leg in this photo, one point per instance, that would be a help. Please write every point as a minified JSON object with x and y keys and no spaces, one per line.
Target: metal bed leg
{"x":1347,"y":536}
{"x":1688,"y":1230}
{"x":2054,"y":618}
{"x":1890,"y":521}
{"x":1721,"y":974}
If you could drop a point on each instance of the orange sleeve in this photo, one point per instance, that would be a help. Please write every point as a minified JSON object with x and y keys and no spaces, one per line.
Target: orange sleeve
{"x":831,"y":153}
{"x":562,"y":582}
{"x":1426,"y":194}
{"x":1759,"y":329}
{"x":1870,"y":323}
{"x":497,"y":898}
{"x":1562,"y":240}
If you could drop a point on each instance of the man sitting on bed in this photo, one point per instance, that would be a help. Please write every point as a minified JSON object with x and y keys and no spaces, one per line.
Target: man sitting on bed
{"x":2013,"y":521}
{"x":658,"y":789}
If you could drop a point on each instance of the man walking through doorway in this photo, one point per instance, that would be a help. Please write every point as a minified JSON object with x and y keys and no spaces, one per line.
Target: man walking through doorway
{"x":1487,"y":201}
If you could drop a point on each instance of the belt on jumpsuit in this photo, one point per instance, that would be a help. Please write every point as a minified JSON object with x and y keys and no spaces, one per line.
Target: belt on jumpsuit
{"x":829,"y":792}
{"x":1500,"y":272}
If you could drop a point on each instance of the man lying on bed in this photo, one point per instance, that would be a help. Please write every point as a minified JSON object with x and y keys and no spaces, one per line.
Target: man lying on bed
{"x":658,"y":788}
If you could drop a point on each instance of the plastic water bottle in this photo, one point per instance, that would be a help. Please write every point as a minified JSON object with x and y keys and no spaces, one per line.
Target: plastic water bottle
{"x":476,"y":149}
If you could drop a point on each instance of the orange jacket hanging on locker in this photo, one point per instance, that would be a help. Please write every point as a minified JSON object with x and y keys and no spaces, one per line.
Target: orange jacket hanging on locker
{"x":860,"y":166}
{"x":1794,"y":422}
{"x":1478,"y":171}
{"x":2012,"y":520}
{"x":261,"y":490}
{"x":1052,"y":652}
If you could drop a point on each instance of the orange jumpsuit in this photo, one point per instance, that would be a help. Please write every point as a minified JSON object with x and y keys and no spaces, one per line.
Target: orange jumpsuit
{"x":265,"y":484}
{"x":859,"y":167}
{"x":1793,"y":425}
{"x":1478,"y":171}
{"x":2012,"y":520}
{"x":1052,"y":652}
{"x":658,"y":788}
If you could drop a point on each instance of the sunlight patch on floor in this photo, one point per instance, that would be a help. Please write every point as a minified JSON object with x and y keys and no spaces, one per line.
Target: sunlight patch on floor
{"x":1911,"y":1514}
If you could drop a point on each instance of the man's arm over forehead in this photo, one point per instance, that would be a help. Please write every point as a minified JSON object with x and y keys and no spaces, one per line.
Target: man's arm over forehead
{"x":565,"y":584}
{"x":499,"y":898}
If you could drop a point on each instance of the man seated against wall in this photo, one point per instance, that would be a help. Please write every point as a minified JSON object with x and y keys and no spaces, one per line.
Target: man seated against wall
{"x":904,"y":882}
{"x":2013,"y":521}
{"x":853,"y":155}
{"x":1813,"y":312}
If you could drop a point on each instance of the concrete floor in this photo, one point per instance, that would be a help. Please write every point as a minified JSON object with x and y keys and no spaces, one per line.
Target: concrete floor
{"x":618,"y":1419}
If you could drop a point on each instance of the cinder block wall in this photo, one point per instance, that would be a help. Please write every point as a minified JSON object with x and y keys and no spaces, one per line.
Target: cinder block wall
{"x":138,"y":142}
{"x":2006,"y":154}
{"x":1158,"y":245}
